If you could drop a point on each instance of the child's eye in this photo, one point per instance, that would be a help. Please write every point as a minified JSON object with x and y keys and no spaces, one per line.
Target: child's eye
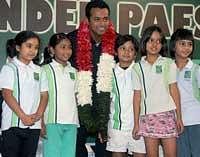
{"x":122,"y":48}
{"x":151,"y":40}
{"x":28,"y":45}
{"x":185,"y":43}
{"x":182,"y":43}
{"x":157,"y":41}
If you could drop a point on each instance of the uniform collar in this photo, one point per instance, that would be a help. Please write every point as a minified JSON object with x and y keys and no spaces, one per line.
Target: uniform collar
{"x":121,"y":69}
{"x":55,"y":63}
{"x":189,"y":64}
{"x":21,"y":64}
{"x":157,"y":60}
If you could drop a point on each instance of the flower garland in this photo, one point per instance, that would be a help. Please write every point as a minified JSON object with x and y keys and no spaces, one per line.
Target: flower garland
{"x":84,"y":63}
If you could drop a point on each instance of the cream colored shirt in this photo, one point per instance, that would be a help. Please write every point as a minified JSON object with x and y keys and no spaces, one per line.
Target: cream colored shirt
{"x":157,"y":97}
{"x":66,"y":109}
{"x":190,"y":106}
{"x":30,"y":89}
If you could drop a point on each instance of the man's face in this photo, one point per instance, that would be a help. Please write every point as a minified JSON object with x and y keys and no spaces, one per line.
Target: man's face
{"x":99,"y":21}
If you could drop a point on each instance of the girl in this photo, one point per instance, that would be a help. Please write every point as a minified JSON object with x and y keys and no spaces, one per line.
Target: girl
{"x":24,"y":90}
{"x":121,"y":109}
{"x":61,"y":114}
{"x":188,"y":80}
{"x":156,"y":96}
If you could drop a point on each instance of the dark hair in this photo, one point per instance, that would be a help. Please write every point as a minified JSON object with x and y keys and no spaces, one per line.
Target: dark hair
{"x":121,"y":39}
{"x":147,"y":35}
{"x":53,"y":41}
{"x":95,"y":4}
{"x":20,"y":38}
{"x":10,"y":48}
{"x":180,"y":34}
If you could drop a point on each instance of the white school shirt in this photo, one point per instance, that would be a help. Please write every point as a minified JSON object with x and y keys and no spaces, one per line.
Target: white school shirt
{"x":190,"y":106}
{"x":121,"y":108}
{"x":158,"y":98}
{"x":30,"y":89}
{"x":66,"y":106}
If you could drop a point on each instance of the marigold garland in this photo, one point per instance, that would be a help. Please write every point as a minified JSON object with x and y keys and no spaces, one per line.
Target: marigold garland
{"x":84,"y":62}
{"x":104,"y":78}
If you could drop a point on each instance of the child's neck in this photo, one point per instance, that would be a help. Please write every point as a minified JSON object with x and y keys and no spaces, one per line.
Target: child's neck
{"x":151,"y":58}
{"x":23,"y":60}
{"x":124,"y":65}
{"x":64,"y":64}
{"x":181,"y":62}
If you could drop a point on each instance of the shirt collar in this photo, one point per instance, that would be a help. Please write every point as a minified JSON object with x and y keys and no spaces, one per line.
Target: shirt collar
{"x":19,"y":63}
{"x":189,"y":64}
{"x":121,"y":69}
{"x":55,"y":63}
{"x":157,"y":60}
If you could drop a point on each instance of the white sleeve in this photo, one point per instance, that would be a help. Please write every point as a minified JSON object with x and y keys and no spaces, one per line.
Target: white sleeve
{"x":136,"y":81}
{"x":172,"y":73}
{"x":7,"y":77}
{"x":43,"y":81}
{"x":198,"y":77}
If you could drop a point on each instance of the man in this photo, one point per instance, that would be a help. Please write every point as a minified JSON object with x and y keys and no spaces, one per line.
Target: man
{"x":93,"y":56}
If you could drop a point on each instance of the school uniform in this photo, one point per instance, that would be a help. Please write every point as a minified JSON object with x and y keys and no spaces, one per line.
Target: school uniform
{"x":61,"y":114}
{"x":121,"y":120}
{"x":27,"y":82}
{"x":188,"y":80}
{"x":157,"y":118}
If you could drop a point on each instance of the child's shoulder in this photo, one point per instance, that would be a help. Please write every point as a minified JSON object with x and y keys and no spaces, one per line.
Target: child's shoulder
{"x":71,"y":68}
{"x":166,"y":62}
{"x":36,"y":68}
{"x":196,"y":67}
{"x":136,"y":64}
{"x":46,"y":66}
{"x":9,"y":66}
{"x":167,"y":59}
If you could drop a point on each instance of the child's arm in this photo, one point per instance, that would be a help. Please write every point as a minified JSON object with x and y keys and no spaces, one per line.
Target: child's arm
{"x":42,"y":106}
{"x":174,"y":92}
{"x":15,"y":107}
{"x":43,"y":96}
{"x":43,"y":128}
{"x":136,"y":110}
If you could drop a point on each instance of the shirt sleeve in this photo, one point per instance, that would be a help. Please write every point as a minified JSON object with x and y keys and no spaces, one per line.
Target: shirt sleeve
{"x":7,"y":77}
{"x":136,"y":80}
{"x":198,"y":77}
{"x":76,"y":82}
{"x":172,"y":73}
{"x":43,"y":81}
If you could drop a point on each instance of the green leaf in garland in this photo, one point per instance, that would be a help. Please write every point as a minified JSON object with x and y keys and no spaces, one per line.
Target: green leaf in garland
{"x":103,"y":110}
{"x":86,"y":118}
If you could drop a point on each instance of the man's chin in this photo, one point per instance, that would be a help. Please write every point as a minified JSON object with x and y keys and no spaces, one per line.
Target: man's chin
{"x":100,"y":33}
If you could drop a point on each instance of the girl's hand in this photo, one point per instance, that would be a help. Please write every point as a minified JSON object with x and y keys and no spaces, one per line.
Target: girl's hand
{"x":180,"y":125}
{"x":101,"y":138}
{"x":43,"y":132}
{"x":27,"y":120}
{"x":135,"y":132}
{"x":36,"y":117}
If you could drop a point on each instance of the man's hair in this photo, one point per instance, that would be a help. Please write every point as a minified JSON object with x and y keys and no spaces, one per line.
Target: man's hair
{"x":95,"y":4}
